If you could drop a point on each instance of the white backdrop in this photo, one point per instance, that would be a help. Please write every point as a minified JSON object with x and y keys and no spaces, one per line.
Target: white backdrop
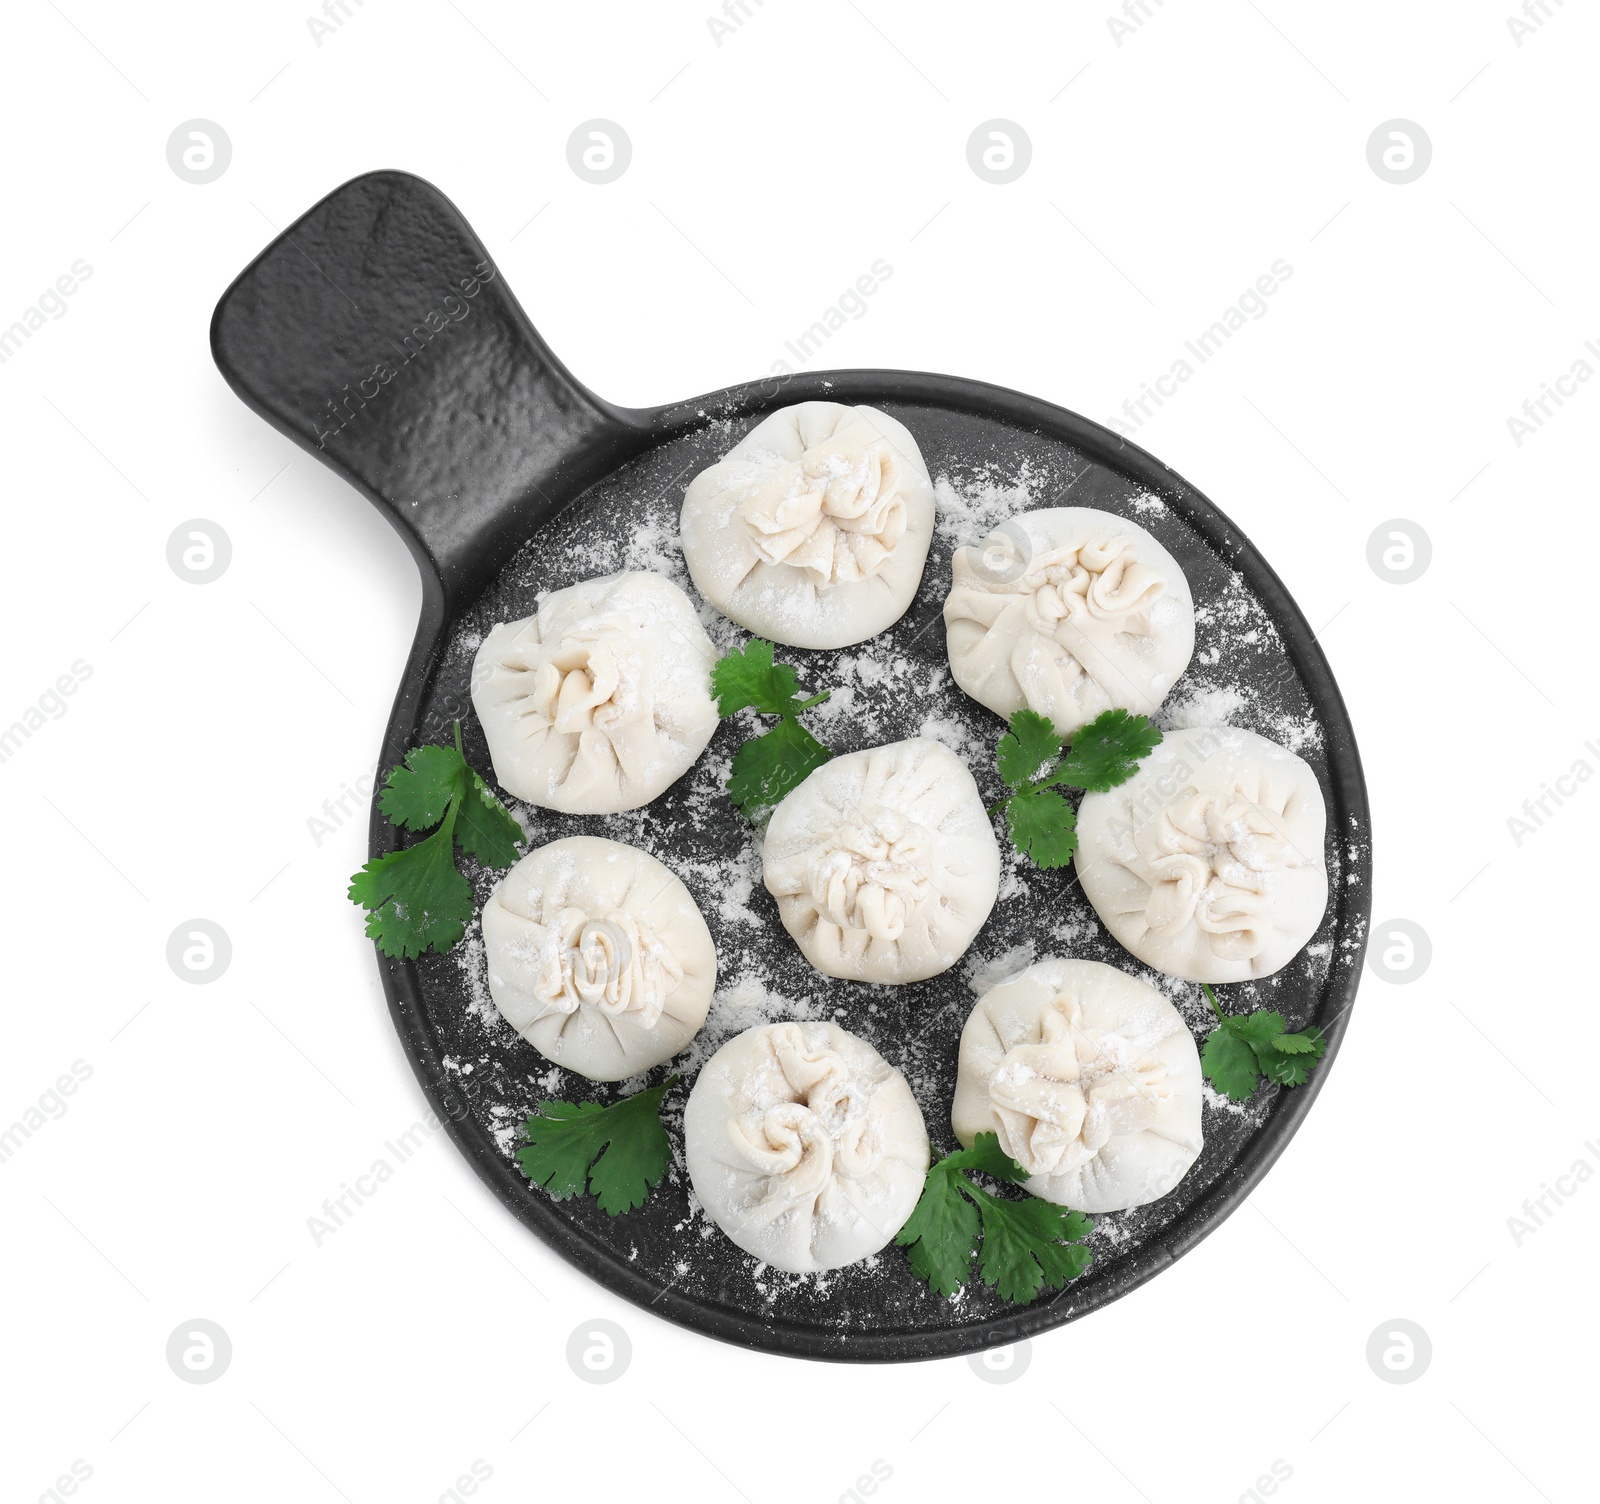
{"x":1175,"y":158}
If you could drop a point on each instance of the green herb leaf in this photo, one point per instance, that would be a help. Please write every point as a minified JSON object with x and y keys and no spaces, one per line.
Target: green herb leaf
{"x":1029,"y":750}
{"x":1229,"y":1064}
{"x":768,"y":766}
{"x":1284,"y":1069}
{"x":1257,"y":1029}
{"x":418,"y":792}
{"x":941,"y":1235}
{"x":1307,"y":1042}
{"x":1023,"y":1249}
{"x":1108,"y":751}
{"x":485,"y":828}
{"x":1288,"y":1059}
{"x":987,"y":1156}
{"x":748,"y":679}
{"x":1020,"y":1246}
{"x":1040,"y":821}
{"x":617,"y":1153}
{"x":1043,"y":826}
{"x":416,"y":898}
{"x":1244,"y":1047}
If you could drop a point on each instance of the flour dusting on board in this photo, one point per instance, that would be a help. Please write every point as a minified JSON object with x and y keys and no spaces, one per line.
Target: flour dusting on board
{"x":895,"y":686}
{"x":1238,"y":672}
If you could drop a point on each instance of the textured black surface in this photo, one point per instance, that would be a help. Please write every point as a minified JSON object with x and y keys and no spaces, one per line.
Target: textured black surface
{"x":537,"y":485}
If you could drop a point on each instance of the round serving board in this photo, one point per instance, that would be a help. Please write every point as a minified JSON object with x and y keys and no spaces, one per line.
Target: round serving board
{"x":537,"y":484}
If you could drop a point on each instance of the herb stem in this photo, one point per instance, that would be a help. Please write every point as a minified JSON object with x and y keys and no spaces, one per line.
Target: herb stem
{"x":1211,"y":998}
{"x":448,"y":825}
{"x":807,"y":704}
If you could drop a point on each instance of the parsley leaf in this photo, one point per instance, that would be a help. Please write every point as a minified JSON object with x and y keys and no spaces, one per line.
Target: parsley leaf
{"x":1108,"y":751}
{"x":1283,"y":1068}
{"x":941,"y":1235}
{"x":748,"y":679}
{"x":1029,"y":758}
{"x":416,"y":898}
{"x":1259,"y":1028}
{"x":418,"y":792}
{"x":768,"y":766}
{"x":1229,"y":1064}
{"x":1043,"y":826}
{"x":1020,"y":1247}
{"x":1310,"y":1042}
{"x":1244,"y":1047}
{"x":986,"y":1155}
{"x":617,"y":1153}
{"x":1027,"y":751}
{"x":1024,"y":1248}
{"x":485,"y":828}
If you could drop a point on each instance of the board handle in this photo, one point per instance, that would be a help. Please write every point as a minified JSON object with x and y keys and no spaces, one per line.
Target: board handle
{"x":379,"y":335}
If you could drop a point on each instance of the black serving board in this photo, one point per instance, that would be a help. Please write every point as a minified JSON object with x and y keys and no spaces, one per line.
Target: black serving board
{"x":509,"y":479}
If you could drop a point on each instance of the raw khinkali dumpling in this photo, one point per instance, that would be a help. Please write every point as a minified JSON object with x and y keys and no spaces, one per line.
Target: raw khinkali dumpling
{"x":598,"y":957}
{"x":1091,"y":1080}
{"x":1208,"y":863}
{"x":601,"y":698}
{"x":804,"y":1145}
{"x":814,"y":528}
{"x":1069,"y":612}
{"x":884,"y":863}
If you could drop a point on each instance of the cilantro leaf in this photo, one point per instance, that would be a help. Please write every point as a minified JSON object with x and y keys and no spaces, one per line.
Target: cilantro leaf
{"x":561,"y":1146}
{"x":1244,"y":1047}
{"x":941,"y":1235}
{"x":768,"y":766}
{"x":1040,"y":821}
{"x":1108,"y":750}
{"x":1288,"y":1059}
{"x":485,"y":828}
{"x":617,"y":1153}
{"x":418,"y":792}
{"x":1285,"y":1069}
{"x":1028,"y":750}
{"x":416,"y":899}
{"x":1229,"y":1064}
{"x":1022,"y":1249}
{"x":1043,"y":826}
{"x":1062,"y":1261}
{"x":986,"y":1155}
{"x":1308,"y":1042}
{"x":748,"y":679}
{"x":1257,"y":1029}
{"x":1020,"y":1246}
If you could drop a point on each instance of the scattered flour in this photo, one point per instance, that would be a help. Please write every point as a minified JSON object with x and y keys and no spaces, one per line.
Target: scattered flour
{"x":1215,"y":706}
{"x":896,"y":686}
{"x":984,"y":974}
{"x":969,"y":511}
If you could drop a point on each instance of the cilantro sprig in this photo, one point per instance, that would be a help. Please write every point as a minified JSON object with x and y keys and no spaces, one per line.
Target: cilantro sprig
{"x":768,"y":766}
{"x":1244,"y":1047}
{"x":1032,"y":763}
{"x":616,"y":1153}
{"x":416,"y":898}
{"x":1020,"y":1247}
